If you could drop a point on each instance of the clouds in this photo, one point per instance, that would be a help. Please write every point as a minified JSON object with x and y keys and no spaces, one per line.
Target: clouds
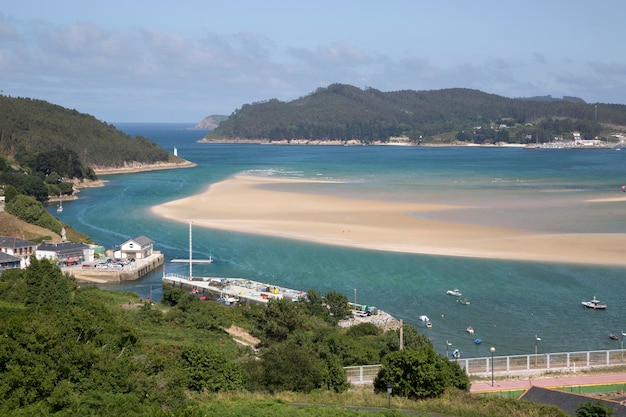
{"x":174,"y":65}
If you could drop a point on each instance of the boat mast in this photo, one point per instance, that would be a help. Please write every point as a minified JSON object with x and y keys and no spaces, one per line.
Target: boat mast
{"x":190,"y":251}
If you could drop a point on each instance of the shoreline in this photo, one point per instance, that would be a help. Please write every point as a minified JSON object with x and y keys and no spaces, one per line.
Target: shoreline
{"x":139,"y":167}
{"x":378,"y":225}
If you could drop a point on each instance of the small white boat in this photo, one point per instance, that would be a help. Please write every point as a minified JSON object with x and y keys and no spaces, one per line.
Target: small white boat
{"x":470,"y":329}
{"x":455,"y":292}
{"x":595,"y":304}
{"x":424,"y":319}
{"x":60,"y":206}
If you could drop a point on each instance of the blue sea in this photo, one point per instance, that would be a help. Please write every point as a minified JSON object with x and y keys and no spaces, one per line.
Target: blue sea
{"x":511,"y":302}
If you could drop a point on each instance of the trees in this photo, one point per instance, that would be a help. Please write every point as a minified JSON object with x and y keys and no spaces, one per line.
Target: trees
{"x":207,"y":369}
{"x":31,"y":211}
{"x":337,"y":305}
{"x":594,"y":409}
{"x":419,"y":373}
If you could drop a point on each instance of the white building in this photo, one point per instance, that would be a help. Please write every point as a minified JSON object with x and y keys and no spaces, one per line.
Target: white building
{"x":65,"y":253}
{"x":18,"y":248}
{"x":139,"y":247}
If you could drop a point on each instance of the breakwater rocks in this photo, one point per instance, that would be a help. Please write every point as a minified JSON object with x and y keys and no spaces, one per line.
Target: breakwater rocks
{"x":383,"y":320}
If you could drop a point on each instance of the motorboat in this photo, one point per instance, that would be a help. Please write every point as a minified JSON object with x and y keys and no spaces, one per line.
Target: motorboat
{"x":464,"y":301}
{"x":429,"y":325}
{"x":470,"y":329}
{"x":478,"y":341}
{"x":594,"y":304}
{"x":455,"y":292}
{"x":613,"y":336}
{"x":424,"y":319}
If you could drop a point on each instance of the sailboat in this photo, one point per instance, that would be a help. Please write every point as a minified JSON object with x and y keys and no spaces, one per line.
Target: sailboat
{"x":60,"y":205}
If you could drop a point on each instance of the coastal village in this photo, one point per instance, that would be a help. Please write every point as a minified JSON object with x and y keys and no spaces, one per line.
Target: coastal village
{"x":136,"y":257}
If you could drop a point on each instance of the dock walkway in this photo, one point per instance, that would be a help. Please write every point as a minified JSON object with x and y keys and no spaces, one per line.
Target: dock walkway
{"x":247,"y":291}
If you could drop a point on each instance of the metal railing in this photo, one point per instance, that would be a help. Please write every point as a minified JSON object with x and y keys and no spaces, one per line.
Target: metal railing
{"x":511,"y":365}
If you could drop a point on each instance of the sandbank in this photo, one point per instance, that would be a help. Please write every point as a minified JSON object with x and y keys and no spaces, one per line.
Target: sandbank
{"x":240,"y":204}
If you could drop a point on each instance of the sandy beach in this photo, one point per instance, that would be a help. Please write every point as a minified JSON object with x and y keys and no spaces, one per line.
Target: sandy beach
{"x":241,"y":204}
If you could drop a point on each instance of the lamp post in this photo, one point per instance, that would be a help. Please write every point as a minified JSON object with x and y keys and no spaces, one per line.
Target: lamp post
{"x":537,"y":340}
{"x":448,"y":344}
{"x":493,"y":350}
{"x":623,"y":334}
{"x":389,"y":388}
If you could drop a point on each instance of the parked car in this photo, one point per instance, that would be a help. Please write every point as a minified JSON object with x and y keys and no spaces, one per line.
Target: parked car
{"x":101,"y":265}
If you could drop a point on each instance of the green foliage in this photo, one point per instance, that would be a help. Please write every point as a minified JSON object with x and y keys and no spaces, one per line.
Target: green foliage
{"x":32,"y":211}
{"x":46,"y":287}
{"x":280,"y":318}
{"x":10,"y":192}
{"x":291,"y":367}
{"x":419,"y":373}
{"x":594,"y":409}
{"x":62,"y":162}
{"x":343,"y":112}
{"x":210,"y":370}
{"x":31,"y":185}
{"x":80,"y":351}
{"x":44,"y":136}
{"x":337,"y":304}
{"x":411,"y":339}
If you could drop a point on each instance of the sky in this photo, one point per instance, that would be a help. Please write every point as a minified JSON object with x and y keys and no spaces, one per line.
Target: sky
{"x":180,"y":61}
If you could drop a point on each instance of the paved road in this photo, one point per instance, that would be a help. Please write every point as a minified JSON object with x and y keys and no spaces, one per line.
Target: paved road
{"x":550,"y":382}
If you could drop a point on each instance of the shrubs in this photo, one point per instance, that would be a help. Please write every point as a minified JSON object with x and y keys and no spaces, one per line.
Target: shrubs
{"x":32,"y":211}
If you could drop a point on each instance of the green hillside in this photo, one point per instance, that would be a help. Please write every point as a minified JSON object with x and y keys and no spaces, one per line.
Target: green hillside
{"x":69,"y":350}
{"x":30,"y":127}
{"x":344,"y":112}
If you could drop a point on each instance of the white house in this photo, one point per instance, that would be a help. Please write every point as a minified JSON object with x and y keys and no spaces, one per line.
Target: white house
{"x":65,"y":253}
{"x":139,"y":247}
{"x":19,"y":248}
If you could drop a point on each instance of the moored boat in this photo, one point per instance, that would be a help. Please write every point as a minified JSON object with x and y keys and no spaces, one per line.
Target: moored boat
{"x":613,"y":336}
{"x":594,"y":304}
{"x":470,"y":329}
{"x":455,"y":292}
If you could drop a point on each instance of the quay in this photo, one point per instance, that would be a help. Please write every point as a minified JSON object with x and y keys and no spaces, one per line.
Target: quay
{"x":241,"y":290}
{"x":134,"y":271}
{"x":231,"y":289}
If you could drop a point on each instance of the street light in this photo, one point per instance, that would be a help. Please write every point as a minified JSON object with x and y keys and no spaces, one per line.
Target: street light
{"x":623,"y":334}
{"x":448,"y":344}
{"x":493,"y":350}
{"x":537,"y":340}
{"x":389,"y":388}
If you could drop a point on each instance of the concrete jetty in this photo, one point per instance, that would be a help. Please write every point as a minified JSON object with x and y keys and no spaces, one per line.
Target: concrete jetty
{"x":235,"y":289}
{"x":135,"y":270}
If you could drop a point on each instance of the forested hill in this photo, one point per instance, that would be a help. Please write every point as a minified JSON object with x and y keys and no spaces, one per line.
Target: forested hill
{"x":344,"y":112}
{"x":30,"y":128}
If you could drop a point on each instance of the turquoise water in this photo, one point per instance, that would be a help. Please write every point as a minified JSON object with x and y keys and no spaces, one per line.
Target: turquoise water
{"x":511,"y":302}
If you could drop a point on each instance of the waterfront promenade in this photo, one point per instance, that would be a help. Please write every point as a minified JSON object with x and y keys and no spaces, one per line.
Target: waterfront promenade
{"x":551,"y":381}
